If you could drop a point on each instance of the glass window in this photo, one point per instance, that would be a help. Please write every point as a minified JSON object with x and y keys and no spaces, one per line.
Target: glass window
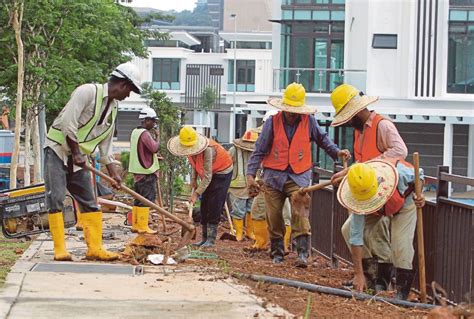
{"x":322,"y":1}
{"x":166,"y":74}
{"x":245,"y":76}
{"x":337,"y":15}
{"x":302,"y":1}
{"x":338,"y":1}
{"x":458,"y":15}
{"x":287,"y":15}
{"x":471,"y":15}
{"x":320,"y":15}
{"x":460,"y":61}
{"x":302,"y":15}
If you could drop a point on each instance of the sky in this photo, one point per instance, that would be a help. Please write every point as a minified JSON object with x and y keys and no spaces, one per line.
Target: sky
{"x":165,"y":5}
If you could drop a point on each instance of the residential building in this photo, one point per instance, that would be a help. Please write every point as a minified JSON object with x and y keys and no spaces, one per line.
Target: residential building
{"x":252,"y":15}
{"x":216,"y":11}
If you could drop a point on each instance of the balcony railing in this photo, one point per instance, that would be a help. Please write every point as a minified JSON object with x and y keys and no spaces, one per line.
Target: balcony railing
{"x":318,"y":80}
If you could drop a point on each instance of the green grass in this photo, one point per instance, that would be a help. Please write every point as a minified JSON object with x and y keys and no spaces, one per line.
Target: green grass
{"x":10,"y":251}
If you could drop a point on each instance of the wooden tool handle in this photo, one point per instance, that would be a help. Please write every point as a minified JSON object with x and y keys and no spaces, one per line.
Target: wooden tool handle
{"x":419,"y":230}
{"x":229,"y":218}
{"x":142,"y":199}
{"x":320,"y":186}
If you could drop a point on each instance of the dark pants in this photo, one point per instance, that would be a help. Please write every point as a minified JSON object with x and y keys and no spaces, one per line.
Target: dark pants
{"x":58,"y":178}
{"x":147,"y":188}
{"x":214,"y":197}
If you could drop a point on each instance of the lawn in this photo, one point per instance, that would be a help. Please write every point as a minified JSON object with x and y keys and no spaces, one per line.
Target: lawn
{"x":10,"y":251}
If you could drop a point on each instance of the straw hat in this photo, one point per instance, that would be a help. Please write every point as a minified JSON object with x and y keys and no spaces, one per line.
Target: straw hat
{"x":187,"y":143}
{"x":368,"y":186}
{"x":293,"y":100}
{"x":347,"y":102}
{"x":247,"y":142}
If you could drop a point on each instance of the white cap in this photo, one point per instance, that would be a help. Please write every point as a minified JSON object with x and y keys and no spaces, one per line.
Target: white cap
{"x":129,"y":71}
{"x":147,"y":112}
{"x":268,"y":114}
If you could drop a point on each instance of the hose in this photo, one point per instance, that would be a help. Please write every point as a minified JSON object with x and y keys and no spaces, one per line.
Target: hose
{"x":331,"y":291}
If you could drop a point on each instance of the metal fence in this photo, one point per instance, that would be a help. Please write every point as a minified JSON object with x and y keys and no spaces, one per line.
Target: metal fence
{"x":448,"y":227}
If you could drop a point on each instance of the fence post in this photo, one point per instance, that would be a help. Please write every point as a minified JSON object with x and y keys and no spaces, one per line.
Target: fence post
{"x":443,"y":186}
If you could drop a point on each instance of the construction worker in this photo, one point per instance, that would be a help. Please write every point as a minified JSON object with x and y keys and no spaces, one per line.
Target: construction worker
{"x":213,"y":165}
{"x":375,"y":137}
{"x":143,"y":164}
{"x":284,"y":151}
{"x":381,"y":188}
{"x":241,"y":202}
{"x":86,"y":122}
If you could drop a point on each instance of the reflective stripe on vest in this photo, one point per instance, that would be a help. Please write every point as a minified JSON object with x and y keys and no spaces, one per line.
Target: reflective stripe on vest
{"x":220,"y":163}
{"x":365,"y":144}
{"x":134,"y":165}
{"x":238,"y":175}
{"x":396,"y":202}
{"x":87,"y":145}
{"x":297,"y":154}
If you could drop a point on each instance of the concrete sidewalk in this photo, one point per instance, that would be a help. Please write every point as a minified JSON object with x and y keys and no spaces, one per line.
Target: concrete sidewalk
{"x":41,"y":288}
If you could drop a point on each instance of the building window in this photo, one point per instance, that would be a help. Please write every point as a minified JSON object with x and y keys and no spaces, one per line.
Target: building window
{"x":166,"y":74}
{"x":461,"y":47}
{"x":245,"y":76}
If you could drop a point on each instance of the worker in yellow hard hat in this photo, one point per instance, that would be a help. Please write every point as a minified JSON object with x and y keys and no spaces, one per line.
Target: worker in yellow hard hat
{"x":374,"y":190}
{"x":213,"y":166}
{"x":283,"y":149}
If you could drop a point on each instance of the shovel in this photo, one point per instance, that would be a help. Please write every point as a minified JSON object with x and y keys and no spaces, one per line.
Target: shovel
{"x":227,"y":236}
{"x":190,"y":229}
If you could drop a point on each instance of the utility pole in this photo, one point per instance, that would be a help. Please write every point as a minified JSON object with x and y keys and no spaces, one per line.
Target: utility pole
{"x":232,"y":113}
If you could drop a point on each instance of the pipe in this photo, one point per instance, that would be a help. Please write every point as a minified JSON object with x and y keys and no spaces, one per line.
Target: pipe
{"x":331,"y":291}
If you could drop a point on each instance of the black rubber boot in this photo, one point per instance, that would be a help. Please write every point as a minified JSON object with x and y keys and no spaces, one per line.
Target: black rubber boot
{"x":404,"y":280}
{"x":211,"y":236}
{"x":204,"y":236}
{"x":277,"y":250}
{"x":384,"y":275}
{"x":370,"y":268}
{"x":302,"y":249}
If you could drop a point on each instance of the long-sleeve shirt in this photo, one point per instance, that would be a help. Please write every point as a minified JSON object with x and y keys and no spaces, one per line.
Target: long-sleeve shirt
{"x":209,"y":157}
{"x":147,"y":146}
{"x":388,"y":139}
{"x":242,"y":192}
{"x":78,"y":111}
{"x":277,"y":179}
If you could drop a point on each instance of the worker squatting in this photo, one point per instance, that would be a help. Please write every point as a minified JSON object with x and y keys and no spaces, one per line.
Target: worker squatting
{"x":259,"y":173}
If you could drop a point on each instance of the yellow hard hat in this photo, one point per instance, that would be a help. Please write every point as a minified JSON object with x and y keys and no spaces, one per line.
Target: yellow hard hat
{"x":341,"y":95}
{"x":188,"y":136}
{"x":294,"y":94}
{"x":362,"y":180}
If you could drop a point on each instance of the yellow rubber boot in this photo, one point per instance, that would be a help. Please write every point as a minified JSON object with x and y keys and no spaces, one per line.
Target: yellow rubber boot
{"x":79,"y":225}
{"x":287,"y":238}
{"x":142,"y":215}
{"x":93,"y":235}
{"x":56,"y":227}
{"x":239,"y":228}
{"x":134,"y":219}
{"x":260,"y":230}
{"x":249,"y":226}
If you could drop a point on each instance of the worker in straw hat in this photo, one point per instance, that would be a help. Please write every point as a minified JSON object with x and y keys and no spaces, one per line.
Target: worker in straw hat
{"x":85,"y":123}
{"x":143,"y":164}
{"x":380,"y":188}
{"x":241,"y":202}
{"x":213,"y":165}
{"x":374,"y":137}
{"x":284,"y":150}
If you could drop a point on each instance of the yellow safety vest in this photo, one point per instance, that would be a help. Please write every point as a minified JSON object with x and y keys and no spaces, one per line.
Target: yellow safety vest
{"x":134,"y":165}
{"x":238,"y":175}
{"x":87,"y":145}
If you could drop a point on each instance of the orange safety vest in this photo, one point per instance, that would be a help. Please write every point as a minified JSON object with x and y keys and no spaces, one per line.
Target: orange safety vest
{"x":396,"y":202}
{"x":297,"y":154}
{"x":222,"y":160}
{"x":365,"y":143}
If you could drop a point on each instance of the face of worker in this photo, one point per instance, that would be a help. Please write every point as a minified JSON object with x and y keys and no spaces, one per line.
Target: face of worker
{"x":123,"y":90}
{"x":356,"y":123}
{"x":149,"y":123}
{"x":291,"y":118}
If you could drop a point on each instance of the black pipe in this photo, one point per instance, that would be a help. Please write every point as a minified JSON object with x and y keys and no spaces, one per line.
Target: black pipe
{"x":332,"y":291}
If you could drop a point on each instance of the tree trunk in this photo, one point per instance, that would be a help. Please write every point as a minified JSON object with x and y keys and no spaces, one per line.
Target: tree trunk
{"x":27,"y":177}
{"x":36,"y":150}
{"x":17,"y":16}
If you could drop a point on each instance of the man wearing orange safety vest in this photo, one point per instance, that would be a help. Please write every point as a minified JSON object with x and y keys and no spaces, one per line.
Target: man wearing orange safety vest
{"x":284,"y":151}
{"x":213,"y":165}
{"x":376,"y":137}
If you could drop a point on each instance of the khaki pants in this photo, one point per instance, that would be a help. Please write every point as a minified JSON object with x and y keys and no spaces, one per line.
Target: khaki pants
{"x":376,"y":237}
{"x":403,"y":227}
{"x":258,"y":209}
{"x":274,"y":203}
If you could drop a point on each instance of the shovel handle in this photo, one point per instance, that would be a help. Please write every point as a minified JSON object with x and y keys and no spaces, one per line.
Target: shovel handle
{"x":142,"y":199}
{"x":226,"y":207}
{"x":319,"y":186}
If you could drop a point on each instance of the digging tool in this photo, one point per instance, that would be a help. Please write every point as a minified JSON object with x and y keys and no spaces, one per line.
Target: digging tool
{"x":231,"y":235}
{"x":419,"y":230}
{"x":190,"y":229}
{"x":159,"y":199}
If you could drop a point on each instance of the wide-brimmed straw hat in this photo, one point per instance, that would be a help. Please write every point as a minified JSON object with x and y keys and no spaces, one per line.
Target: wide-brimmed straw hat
{"x":187,"y":143}
{"x":293,"y":100}
{"x":247,"y":141}
{"x":368,"y":186}
{"x":347,"y":102}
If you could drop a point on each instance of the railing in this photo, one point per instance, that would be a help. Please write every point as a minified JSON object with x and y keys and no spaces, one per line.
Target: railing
{"x":318,"y":80}
{"x":448,"y":229}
